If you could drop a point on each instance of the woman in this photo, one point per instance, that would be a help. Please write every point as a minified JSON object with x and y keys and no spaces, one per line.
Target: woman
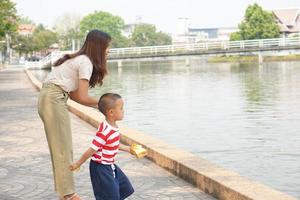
{"x":71,"y":76}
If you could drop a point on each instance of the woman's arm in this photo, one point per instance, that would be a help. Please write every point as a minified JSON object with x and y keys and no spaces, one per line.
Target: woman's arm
{"x":83,"y":158}
{"x":81,"y":94}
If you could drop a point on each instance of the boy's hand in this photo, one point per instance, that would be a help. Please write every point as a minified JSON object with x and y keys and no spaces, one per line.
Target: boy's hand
{"x":138,"y":150}
{"x":74,"y":167}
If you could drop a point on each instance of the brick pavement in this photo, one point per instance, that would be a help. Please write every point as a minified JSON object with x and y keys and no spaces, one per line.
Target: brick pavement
{"x":25,"y":168}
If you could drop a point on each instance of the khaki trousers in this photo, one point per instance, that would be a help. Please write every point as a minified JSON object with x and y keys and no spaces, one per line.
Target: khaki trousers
{"x":53,"y":110}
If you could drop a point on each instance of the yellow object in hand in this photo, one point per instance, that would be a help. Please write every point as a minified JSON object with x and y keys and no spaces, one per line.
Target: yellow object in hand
{"x":138,"y":150}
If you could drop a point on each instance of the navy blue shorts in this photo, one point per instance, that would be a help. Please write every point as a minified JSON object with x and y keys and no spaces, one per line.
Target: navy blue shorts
{"x":109,"y":184}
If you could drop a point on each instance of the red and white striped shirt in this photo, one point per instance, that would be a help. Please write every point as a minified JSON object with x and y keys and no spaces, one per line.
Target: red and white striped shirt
{"x":106,"y":143}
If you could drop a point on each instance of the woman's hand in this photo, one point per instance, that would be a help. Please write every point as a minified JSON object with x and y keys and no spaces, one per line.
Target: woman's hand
{"x":74,"y":167}
{"x":87,"y":154}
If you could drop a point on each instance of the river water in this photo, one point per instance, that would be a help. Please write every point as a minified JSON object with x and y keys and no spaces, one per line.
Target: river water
{"x":243,"y":117}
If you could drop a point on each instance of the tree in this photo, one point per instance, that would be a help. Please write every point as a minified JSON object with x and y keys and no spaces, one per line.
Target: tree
{"x":43,"y":38}
{"x":67,"y":28}
{"x":121,"y":41}
{"x":257,"y":24}
{"x":40,"y":40}
{"x":23,"y":44}
{"x":146,"y":35}
{"x":106,"y":22}
{"x":163,"y":38}
{"x":8,"y":17}
{"x":235,"y":36}
{"x":25,"y":20}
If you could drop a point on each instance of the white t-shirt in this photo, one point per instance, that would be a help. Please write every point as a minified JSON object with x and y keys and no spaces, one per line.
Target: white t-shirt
{"x":68,"y":74}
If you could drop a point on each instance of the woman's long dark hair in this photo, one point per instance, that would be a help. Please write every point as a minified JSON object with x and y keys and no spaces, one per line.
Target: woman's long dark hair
{"x":94,"y":48}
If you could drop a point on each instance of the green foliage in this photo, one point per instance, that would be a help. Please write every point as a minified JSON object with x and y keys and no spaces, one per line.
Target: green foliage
{"x":67,"y":28}
{"x":106,"y":22}
{"x":43,"y":38}
{"x":146,"y":35}
{"x":25,"y":20}
{"x":8,"y":17}
{"x":40,"y":40}
{"x":23,"y":43}
{"x":163,"y":38}
{"x":120,"y":42}
{"x":257,"y":24}
{"x":235,"y":36}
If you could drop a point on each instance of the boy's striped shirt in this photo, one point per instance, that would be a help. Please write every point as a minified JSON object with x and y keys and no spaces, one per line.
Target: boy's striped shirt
{"x":106,"y":143}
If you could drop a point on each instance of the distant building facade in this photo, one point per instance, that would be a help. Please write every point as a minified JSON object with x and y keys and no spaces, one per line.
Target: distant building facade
{"x":186,"y":34}
{"x":26,"y":29}
{"x":288,"y":21}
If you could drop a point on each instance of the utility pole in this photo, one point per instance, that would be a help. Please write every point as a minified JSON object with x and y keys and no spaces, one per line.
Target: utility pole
{"x":73,"y":45}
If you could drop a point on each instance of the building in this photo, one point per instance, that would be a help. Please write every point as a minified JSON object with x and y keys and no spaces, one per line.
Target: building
{"x":219,"y":34}
{"x":26,"y":29}
{"x":288,"y":21}
{"x":186,"y":34}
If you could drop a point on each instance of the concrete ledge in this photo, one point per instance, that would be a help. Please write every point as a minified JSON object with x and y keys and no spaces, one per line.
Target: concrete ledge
{"x":214,"y":180}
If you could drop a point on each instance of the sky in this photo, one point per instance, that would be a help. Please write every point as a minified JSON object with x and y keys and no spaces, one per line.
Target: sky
{"x":162,"y":13}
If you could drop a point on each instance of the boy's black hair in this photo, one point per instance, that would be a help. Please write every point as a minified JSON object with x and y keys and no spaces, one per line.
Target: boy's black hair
{"x":107,"y":101}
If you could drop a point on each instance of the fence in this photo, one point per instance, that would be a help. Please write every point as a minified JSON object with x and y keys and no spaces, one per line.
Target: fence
{"x":195,"y":48}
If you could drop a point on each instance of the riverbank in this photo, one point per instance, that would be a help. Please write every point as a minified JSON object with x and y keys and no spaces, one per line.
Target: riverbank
{"x":221,"y":183}
{"x":246,"y":59}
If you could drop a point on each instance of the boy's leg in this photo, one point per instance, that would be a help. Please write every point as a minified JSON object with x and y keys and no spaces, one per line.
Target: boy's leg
{"x":104,"y":185}
{"x":125,"y":187}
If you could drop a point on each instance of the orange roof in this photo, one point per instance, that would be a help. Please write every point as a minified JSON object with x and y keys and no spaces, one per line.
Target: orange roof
{"x":26,"y":28}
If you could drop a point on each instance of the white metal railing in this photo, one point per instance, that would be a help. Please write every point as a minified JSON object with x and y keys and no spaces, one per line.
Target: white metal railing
{"x":204,"y":46}
{"x":51,"y":58}
{"x":189,"y":48}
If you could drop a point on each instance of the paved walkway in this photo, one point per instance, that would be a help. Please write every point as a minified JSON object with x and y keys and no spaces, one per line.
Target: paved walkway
{"x":25,"y":168}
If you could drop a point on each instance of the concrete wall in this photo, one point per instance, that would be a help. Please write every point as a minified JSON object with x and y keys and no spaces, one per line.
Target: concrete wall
{"x":214,"y":180}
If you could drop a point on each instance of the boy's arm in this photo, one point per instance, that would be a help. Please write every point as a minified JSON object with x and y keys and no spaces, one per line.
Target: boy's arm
{"x":82,"y":159}
{"x":124,"y":147}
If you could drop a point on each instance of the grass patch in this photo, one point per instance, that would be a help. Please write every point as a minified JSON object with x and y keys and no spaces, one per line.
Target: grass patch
{"x":282,"y":58}
{"x":245,"y":59}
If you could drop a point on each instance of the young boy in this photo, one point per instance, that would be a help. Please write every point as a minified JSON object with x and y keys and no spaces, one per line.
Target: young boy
{"x":108,"y":180}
